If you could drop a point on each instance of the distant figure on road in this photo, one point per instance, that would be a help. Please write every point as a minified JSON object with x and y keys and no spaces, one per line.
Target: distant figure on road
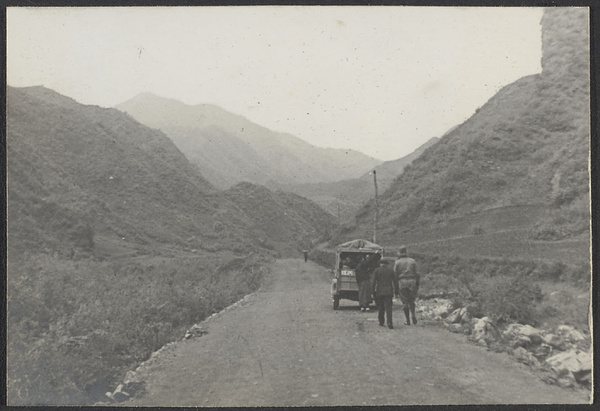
{"x":405,"y":269}
{"x":363,"y":273}
{"x":385,"y":286}
{"x":305,"y":252}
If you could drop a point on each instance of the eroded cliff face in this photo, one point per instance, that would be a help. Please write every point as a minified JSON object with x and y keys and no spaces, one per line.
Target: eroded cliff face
{"x":565,"y":42}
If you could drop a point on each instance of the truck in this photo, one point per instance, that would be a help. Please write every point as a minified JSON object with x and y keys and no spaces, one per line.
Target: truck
{"x":347,"y":257}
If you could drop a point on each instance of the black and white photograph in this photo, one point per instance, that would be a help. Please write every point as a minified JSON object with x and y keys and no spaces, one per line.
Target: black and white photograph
{"x":298,"y":206}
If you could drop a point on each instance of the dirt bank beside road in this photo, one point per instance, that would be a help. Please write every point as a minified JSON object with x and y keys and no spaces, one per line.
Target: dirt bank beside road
{"x":286,"y":347}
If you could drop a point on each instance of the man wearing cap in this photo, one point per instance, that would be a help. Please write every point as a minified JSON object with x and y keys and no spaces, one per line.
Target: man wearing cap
{"x":385,"y":286}
{"x":405,"y":269}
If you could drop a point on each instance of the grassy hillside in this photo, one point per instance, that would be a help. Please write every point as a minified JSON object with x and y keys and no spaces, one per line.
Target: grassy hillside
{"x":527,"y":146}
{"x":117,"y":245}
{"x":229,"y":149}
{"x":280,"y":216}
{"x":124,"y":180}
{"x":345,"y":197}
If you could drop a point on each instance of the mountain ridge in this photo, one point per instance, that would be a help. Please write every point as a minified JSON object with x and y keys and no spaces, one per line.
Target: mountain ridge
{"x":206,"y":132}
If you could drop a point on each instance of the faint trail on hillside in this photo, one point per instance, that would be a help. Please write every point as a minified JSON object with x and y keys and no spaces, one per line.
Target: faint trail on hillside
{"x":461,"y":237}
{"x":287,"y":347}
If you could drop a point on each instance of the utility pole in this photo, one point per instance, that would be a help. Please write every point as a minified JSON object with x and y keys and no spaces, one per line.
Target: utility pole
{"x":339,"y":218}
{"x":376,"y":208}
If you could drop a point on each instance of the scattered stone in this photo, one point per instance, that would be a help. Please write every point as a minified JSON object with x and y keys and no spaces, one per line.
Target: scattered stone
{"x":482,"y":343}
{"x":575,"y":336}
{"x":583,"y":377}
{"x":570,"y":334}
{"x":567,"y":381}
{"x":564,"y":329}
{"x":555,"y":341}
{"x":121,"y":396}
{"x":455,"y":328}
{"x":542,"y":351}
{"x":515,"y":329}
{"x":443,"y":308}
{"x":195,"y":331}
{"x":525,"y":356}
{"x":571,"y":362}
{"x":484,"y":329}
{"x":520,"y":341}
{"x":466,"y":316}
{"x":109,"y":395}
{"x":455,"y":316}
{"x":134,"y":388}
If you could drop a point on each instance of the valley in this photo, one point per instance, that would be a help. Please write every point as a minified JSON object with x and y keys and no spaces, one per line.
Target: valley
{"x":130,"y":227}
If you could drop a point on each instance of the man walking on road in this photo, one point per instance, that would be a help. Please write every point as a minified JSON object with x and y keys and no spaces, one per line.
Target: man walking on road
{"x":405,"y":270}
{"x":385,"y":286}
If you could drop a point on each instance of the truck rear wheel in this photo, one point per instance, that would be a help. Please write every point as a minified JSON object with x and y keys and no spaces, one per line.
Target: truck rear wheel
{"x":336,"y":302}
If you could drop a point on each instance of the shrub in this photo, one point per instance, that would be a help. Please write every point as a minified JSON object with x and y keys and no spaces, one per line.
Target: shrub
{"x":508,"y":299}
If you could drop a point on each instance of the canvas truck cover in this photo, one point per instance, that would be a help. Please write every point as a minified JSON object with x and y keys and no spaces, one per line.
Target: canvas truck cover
{"x":359,"y":245}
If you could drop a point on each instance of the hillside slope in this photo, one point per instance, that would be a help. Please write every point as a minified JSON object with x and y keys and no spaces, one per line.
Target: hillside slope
{"x":117,"y":177}
{"x":117,"y":245}
{"x":343,"y":198}
{"x":527,"y":146}
{"x":229,"y":149}
{"x":281,"y":216}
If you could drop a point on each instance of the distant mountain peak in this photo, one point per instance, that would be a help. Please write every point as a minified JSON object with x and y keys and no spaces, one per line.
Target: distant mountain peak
{"x":228,"y":148}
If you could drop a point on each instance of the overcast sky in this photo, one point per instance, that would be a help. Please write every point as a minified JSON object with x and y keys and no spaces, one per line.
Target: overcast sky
{"x":381,"y":80}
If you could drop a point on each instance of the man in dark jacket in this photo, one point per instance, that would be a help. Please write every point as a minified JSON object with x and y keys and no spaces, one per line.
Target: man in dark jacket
{"x":385,"y":286}
{"x":405,"y":269}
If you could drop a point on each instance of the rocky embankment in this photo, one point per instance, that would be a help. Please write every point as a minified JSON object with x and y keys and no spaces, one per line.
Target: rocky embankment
{"x":562,"y":356}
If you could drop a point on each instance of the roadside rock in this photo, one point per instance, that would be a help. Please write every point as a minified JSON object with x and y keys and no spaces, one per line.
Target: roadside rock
{"x":195,"y":331}
{"x":119,"y":395}
{"x":443,"y":308}
{"x":433,"y":308}
{"x":517,"y":331}
{"x":455,"y":328}
{"x":541,"y":351}
{"x":484,"y":330}
{"x":567,"y":381}
{"x":573,"y":362}
{"x":525,"y":356}
{"x":555,"y":341}
{"x":520,"y":341}
{"x":570,"y":334}
{"x":456,"y":315}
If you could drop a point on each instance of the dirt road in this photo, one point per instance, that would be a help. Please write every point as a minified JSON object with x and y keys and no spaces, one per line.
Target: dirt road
{"x":287,"y":347}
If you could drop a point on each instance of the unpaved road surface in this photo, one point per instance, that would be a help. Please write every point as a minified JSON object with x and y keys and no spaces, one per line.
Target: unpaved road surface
{"x":287,"y":347}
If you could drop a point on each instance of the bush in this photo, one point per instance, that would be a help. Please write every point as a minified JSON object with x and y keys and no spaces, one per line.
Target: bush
{"x":508,"y":299}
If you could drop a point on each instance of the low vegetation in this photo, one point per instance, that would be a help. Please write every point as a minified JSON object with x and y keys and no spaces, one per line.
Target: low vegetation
{"x":76,"y":327}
